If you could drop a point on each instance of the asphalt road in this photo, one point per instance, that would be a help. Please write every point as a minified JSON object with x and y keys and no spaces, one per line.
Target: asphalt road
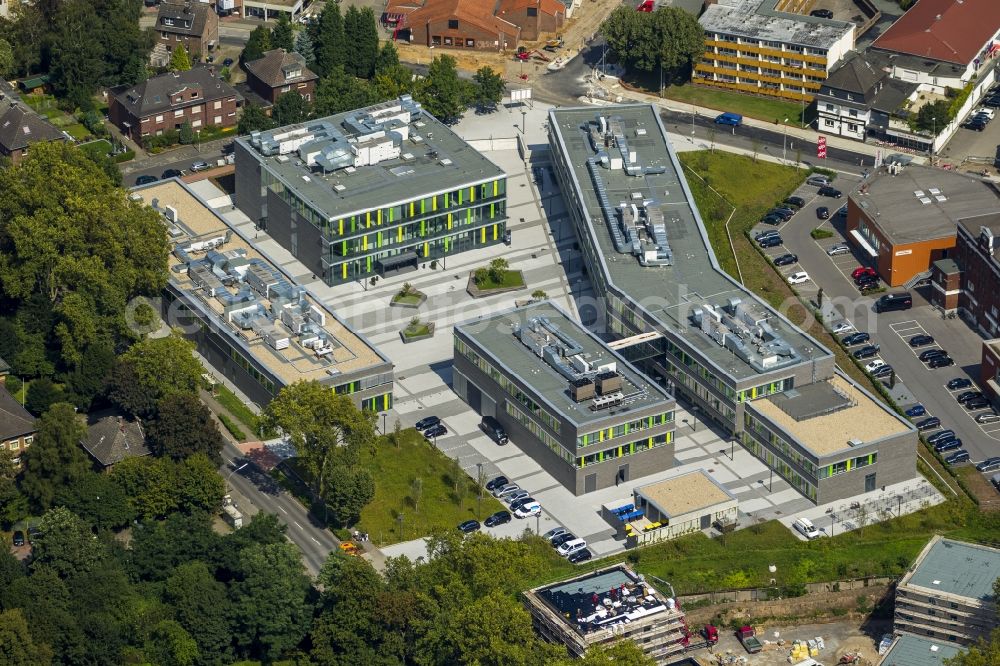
{"x":180,"y":159}
{"x":313,"y":540}
{"x":916,"y":383}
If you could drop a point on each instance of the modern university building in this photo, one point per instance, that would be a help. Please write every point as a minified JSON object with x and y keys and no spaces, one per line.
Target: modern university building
{"x":684,"y":322}
{"x":374,"y":191}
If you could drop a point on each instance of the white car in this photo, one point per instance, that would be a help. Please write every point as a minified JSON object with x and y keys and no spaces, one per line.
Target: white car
{"x":842,"y":327}
{"x":528,"y":510}
{"x":838,"y":249}
{"x":798,"y":278}
{"x":874,"y":365}
{"x":986,"y":111}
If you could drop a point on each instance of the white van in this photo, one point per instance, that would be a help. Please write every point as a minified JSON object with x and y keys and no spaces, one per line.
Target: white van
{"x":808,"y":530}
{"x":571,"y":547}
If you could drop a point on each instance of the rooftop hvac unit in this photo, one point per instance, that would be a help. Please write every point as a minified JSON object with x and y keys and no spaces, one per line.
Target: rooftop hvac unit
{"x":607,"y":401}
{"x":170,"y":213}
{"x":854,"y":442}
{"x":609,"y":383}
{"x":581,"y":389}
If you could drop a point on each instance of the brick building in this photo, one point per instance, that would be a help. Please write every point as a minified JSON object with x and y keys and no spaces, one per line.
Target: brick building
{"x":167,"y":101}
{"x":460,"y":24}
{"x":989,"y":369}
{"x":903,"y":219}
{"x":534,"y":17}
{"x":20,"y":127}
{"x":193,"y":25}
{"x":17,"y":426}
{"x":279,"y":72}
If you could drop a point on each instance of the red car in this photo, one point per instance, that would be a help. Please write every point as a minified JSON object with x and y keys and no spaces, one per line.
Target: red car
{"x":863,"y":270}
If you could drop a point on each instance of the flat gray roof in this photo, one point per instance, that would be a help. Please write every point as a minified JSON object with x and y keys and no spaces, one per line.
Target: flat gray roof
{"x":759,"y":19}
{"x":432,"y":159}
{"x":494,"y":335}
{"x":909,"y":650}
{"x":920,"y":203}
{"x":958,"y":568}
{"x":670,"y":293}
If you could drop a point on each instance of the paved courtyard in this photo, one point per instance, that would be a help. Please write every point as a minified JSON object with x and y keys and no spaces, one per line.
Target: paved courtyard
{"x":543,"y":248}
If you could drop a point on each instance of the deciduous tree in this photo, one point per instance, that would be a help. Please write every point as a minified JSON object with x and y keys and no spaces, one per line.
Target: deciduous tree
{"x":182,"y":427}
{"x":66,"y":544}
{"x":42,"y":394}
{"x":179,"y":60}
{"x":155,"y":368}
{"x":258,"y":42}
{"x":290,"y":108}
{"x":55,"y":459}
{"x":338,"y":92}
{"x":6,"y":59}
{"x":441,"y":92}
{"x":200,"y":605}
{"x":17,"y":647}
{"x":253,"y":119}
{"x":489,"y":88}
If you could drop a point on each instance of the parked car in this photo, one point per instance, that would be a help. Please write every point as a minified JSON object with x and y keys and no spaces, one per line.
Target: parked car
{"x":932,"y":353}
{"x":469,"y":526}
{"x":517,"y":504}
{"x":957,"y":457}
{"x":992,"y":102}
{"x":863,"y":270}
{"x":821,"y":13}
{"x":842,"y":327}
{"x":427,"y":422}
{"x":515,"y":496}
{"x":948,"y":445}
{"x":874,"y":365}
{"x":842,"y":211}
{"x":759,"y":236}
{"x":968,"y":395}
{"x":18,"y":538}
{"x":823,"y":213}
{"x":977,"y":403}
{"x":921,"y":340}
{"x":733,"y":119}
{"x":785,"y":260}
{"x":866,"y":352}
{"x":228,"y":62}
{"x":498,"y":518}
{"x":772,"y":241}
{"x":959,"y":383}
{"x":941,"y":436}
{"x":528,"y":510}
{"x":798,"y":278}
{"x":773,"y":219}
{"x":940,"y":362}
{"x":855,"y":339}
{"x":974,"y":124}
{"x":504,"y":496}
{"x":827,"y":191}
{"x":562,"y":538}
{"x":438,"y":430}
{"x":496,"y":482}
{"x":916,"y":410}
{"x":868,"y":286}
{"x":989,"y":465}
{"x":580,"y":556}
{"x":507,"y":487}
{"x":989,"y":113}
{"x":200,"y":166}
{"x":146,"y":180}
{"x":171,"y":173}
{"x":882,"y":371}
{"x":982,"y":117}
{"x":571,"y":547}
{"x":987,"y":417}
{"x":929,"y":423}
{"x":555,"y":532}
{"x":838,"y":249}
{"x":797,"y":202}
{"x":784,"y":213}
{"x":817,"y":180}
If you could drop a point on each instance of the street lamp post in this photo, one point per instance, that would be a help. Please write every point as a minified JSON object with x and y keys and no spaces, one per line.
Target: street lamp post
{"x":692,"y":123}
{"x":479,"y":482}
{"x":784,"y":139}
{"x":383,"y":421}
{"x":230,"y":475}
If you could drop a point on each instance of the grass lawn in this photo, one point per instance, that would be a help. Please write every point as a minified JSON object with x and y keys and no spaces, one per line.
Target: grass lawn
{"x":77,"y":131}
{"x":409,"y":299}
{"x":439,"y":504}
{"x":98,"y":147}
{"x":771,"y":183}
{"x":412,"y":331}
{"x":238,"y":408}
{"x":762,"y":108}
{"x":510,"y":279}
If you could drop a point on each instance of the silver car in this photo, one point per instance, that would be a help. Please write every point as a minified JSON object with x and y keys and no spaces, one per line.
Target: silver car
{"x":818,"y":181}
{"x":838,"y":249}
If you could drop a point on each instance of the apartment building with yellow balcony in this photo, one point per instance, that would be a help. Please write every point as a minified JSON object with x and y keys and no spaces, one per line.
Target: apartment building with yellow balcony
{"x":752,"y":46}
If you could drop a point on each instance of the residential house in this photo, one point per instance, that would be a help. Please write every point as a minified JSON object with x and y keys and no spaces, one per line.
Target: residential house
{"x":859,"y":99}
{"x":111,"y":438}
{"x":17,"y":426}
{"x":193,"y":25}
{"x":20,"y":127}
{"x":460,"y":24}
{"x":265,"y":9}
{"x":278,"y":72}
{"x":534,"y":17}
{"x":166,"y":102}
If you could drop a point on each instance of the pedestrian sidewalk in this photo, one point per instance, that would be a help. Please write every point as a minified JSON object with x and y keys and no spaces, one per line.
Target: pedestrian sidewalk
{"x":808,"y":134}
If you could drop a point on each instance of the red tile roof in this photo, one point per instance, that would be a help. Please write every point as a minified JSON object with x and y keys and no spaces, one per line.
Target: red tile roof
{"x":475,"y":12}
{"x":947,"y":30}
{"x":550,"y":7}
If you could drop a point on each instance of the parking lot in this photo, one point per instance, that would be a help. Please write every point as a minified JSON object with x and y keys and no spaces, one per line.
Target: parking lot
{"x":915,"y":382}
{"x":977,"y":145}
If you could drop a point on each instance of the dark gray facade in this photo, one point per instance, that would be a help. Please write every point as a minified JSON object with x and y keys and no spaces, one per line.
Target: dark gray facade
{"x":584,"y":450}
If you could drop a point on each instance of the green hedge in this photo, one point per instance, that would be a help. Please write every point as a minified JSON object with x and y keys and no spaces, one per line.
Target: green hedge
{"x":819,"y":234}
{"x":125,"y":157}
{"x":231,"y":426}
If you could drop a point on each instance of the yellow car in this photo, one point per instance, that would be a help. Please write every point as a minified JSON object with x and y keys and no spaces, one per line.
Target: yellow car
{"x":350,"y":549}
